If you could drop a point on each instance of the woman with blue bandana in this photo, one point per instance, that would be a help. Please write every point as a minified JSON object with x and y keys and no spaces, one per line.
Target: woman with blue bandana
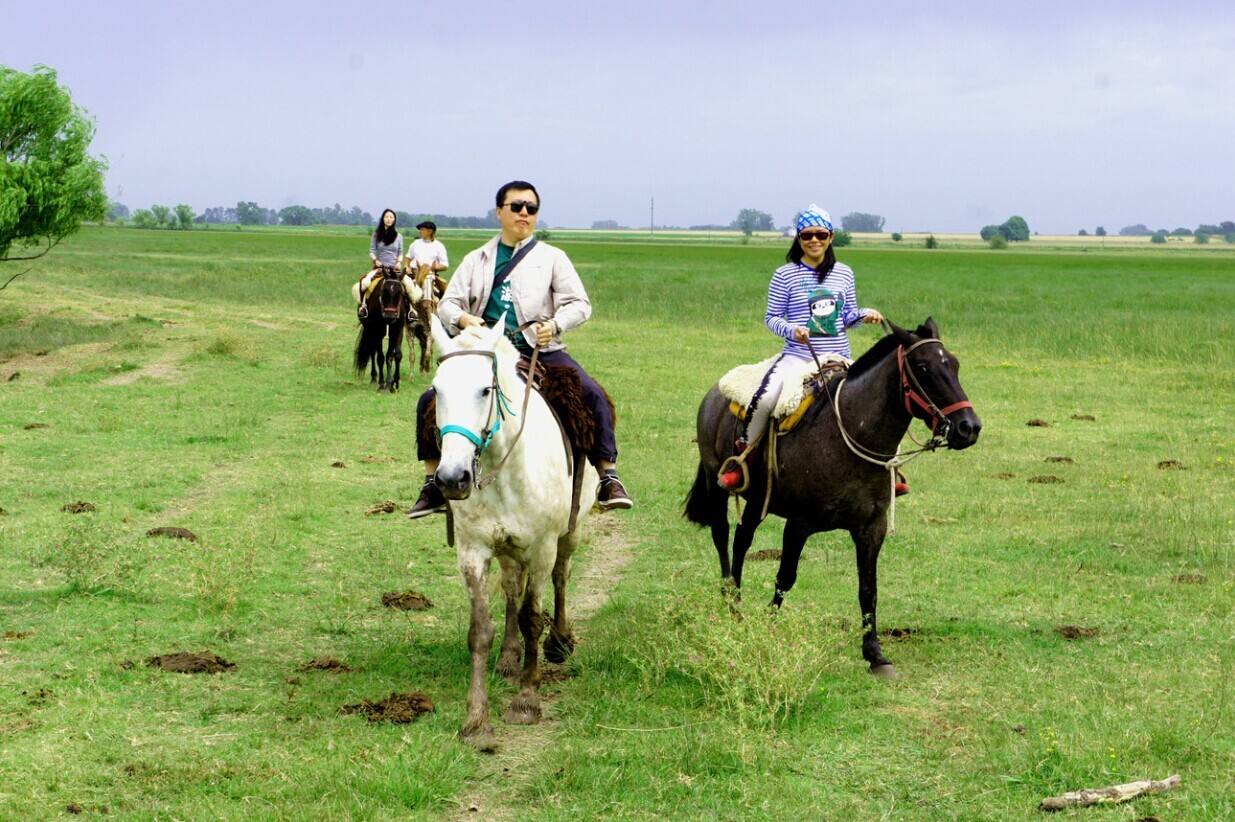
{"x":811,"y":301}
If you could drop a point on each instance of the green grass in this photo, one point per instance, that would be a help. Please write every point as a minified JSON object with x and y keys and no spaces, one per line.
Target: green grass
{"x":201,"y":379}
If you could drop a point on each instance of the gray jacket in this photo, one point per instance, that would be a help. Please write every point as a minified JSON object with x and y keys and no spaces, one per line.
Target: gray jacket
{"x":544,"y":286}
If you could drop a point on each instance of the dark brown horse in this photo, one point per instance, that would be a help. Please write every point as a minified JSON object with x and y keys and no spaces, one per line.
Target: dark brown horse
{"x":822,"y":483}
{"x":385,"y":320}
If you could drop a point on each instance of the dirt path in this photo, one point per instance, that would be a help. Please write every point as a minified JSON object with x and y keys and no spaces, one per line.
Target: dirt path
{"x":492,"y":795}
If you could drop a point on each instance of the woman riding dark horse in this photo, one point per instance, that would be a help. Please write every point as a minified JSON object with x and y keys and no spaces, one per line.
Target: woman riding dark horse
{"x":384,"y":319}
{"x":836,"y":468}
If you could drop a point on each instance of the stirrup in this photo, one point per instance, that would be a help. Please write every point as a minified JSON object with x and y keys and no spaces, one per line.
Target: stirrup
{"x":362,"y":311}
{"x":732,"y":465}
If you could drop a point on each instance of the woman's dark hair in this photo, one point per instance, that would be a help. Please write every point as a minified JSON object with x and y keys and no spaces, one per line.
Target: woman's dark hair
{"x":516,"y":185}
{"x":794,"y":255}
{"x":384,"y":235}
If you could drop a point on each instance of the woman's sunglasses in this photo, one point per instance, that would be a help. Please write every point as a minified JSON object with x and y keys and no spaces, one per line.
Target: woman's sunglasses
{"x":517,"y":206}
{"x":821,"y":236}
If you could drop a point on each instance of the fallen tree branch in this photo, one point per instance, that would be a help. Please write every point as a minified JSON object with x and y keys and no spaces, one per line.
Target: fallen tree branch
{"x":1114,"y":794}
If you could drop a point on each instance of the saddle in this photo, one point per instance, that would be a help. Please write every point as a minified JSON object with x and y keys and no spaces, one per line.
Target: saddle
{"x":802,"y":382}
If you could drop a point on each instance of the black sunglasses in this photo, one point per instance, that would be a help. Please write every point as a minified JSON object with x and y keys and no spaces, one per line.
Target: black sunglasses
{"x":807,"y":236}
{"x":519,"y":205}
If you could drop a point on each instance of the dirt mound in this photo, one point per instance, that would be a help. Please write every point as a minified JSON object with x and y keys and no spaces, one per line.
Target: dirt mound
{"x":1182,"y":579}
{"x":1076,"y":632}
{"x":386,"y":507}
{"x":764,"y":555}
{"x":406,"y":600}
{"x":1085,"y":417}
{"x":369,"y":459}
{"x":1064,"y":460}
{"x":16,"y":634}
{"x":173,"y":532}
{"x":397,"y":708}
{"x":324,"y":663}
{"x":338,"y":464}
{"x":183,"y":662}
{"x":1046,"y":479}
{"x":899,"y":633}
{"x":1004,"y":475}
{"x":32,"y":426}
{"x":1037,"y":423}
{"x":14,"y":376}
{"x":1171,"y":465}
{"x":78,"y":507}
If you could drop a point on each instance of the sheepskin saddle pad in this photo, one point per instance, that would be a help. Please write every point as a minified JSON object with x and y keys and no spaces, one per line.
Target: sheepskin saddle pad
{"x":740,"y":384}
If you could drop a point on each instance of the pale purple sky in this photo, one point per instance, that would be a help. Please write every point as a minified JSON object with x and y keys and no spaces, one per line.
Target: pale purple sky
{"x":940,"y":116}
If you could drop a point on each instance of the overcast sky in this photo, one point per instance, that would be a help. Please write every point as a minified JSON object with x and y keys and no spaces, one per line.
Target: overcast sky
{"x":936,"y":115}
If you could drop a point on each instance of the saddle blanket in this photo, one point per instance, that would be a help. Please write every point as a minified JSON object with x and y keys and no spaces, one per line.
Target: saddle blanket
{"x":740,"y":384}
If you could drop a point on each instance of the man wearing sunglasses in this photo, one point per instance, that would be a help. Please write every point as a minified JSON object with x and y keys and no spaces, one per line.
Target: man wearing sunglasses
{"x":535,"y":282}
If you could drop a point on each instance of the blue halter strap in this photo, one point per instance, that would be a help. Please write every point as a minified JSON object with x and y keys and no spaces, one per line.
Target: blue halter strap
{"x":500,"y":406}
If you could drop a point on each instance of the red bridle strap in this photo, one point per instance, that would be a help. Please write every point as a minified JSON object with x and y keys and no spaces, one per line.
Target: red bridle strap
{"x":931,"y":414}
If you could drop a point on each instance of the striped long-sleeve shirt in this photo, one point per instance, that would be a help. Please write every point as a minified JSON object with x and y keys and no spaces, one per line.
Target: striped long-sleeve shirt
{"x":789,"y":306}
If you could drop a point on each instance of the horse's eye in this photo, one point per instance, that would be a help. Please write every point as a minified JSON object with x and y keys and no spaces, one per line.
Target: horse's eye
{"x":484,"y":392}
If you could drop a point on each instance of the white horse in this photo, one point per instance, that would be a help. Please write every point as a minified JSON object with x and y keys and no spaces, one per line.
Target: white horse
{"x":520,"y":516}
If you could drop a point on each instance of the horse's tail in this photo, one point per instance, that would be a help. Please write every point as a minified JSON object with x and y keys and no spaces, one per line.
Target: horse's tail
{"x":367,"y":344}
{"x":701,"y":502}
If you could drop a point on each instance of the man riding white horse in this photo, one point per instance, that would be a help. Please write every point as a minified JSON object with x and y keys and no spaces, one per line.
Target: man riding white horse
{"x":538,"y":290}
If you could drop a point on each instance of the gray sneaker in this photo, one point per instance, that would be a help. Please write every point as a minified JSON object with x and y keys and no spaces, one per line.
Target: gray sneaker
{"x":431,"y":501}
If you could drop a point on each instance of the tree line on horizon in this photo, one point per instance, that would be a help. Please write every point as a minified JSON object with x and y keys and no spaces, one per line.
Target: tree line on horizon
{"x":1201,"y":234}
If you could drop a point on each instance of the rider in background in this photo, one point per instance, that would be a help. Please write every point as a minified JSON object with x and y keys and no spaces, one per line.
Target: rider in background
{"x":386,"y":253}
{"x":427,"y":255}
{"x":812,"y":300}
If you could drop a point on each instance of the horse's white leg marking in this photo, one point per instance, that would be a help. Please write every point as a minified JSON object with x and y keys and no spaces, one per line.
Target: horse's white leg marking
{"x":508,"y":662}
{"x":474,"y":565}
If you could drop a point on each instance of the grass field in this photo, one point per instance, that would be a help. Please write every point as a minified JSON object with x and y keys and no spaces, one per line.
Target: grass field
{"x":201,"y":380}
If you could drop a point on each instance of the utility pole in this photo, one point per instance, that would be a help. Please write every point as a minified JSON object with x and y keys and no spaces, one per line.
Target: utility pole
{"x":652,"y":222}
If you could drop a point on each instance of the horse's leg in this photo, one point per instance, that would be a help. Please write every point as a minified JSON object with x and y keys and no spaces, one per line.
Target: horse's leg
{"x":525,"y":707}
{"x":508,"y":662}
{"x":560,"y":643}
{"x":743,"y":536}
{"x":474,"y":565}
{"x":397,"y":344}
{"x":867,"y":540}
{"x":791,"y":544}
{"x":381,"y":362}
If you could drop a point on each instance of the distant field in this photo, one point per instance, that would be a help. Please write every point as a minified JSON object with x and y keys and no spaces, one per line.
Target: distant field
{"x":1062,"y":594}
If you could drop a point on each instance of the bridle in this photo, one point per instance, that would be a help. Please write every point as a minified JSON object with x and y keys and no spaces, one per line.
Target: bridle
{"x":917,"y":403}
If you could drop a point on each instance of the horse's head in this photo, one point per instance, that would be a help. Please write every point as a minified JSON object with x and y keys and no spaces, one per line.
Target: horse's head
{"x":931,"y":386}
{"x":470,"y":401}
{"x":391,"y":296}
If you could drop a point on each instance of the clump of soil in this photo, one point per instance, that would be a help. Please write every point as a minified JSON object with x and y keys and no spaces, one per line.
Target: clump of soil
{"x":78,"y":507}
{"x":1046,"y":479}
{"x":764,"y":555}
{"x":406,"y":600}
{"x":385,"y":507}
{"x":1064,"y":460}
{"x":183,"y":662}
{"x":31,"y":426}
{"x":1182,"y":579}
{"x":1005,"y":475}
{"x":1076,"y":632}
{"x":14,"y":376}
{"x":1171,"y":465}
{"x":1018,"y":728}
{"x":173,"y":532}
{"x":16,"y":634}
{"x":398,"y":708}
{"x":38,"y":697}
{"x":1037,"y":423}
{"x":1085,"y":417}
{"x":3,"y":513}
{"x":324,"y":663}
{"x":899,"y":633}
{"x":550,"y":673}
{"x":74,"y":808}
{"x":338,"y":464}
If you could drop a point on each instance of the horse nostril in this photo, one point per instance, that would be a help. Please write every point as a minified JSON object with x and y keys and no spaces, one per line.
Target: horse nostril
{"x":964,"y":428}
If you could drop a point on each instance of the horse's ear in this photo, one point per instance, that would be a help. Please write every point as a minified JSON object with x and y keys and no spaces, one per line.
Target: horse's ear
{"x":902,"y":336}
{"x":441,"y":339}
{"x":495,"y":333}
{"x":928,"y":329}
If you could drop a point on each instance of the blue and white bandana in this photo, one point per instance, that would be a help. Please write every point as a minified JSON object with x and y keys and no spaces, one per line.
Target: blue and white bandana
{"x":813,"y":215}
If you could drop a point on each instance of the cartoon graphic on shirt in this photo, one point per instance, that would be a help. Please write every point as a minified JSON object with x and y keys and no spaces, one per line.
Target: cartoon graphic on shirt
{"x":825,"y":312}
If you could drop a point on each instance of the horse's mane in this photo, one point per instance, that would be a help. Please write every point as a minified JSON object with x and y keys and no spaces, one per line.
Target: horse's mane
{"x":874,"y":355}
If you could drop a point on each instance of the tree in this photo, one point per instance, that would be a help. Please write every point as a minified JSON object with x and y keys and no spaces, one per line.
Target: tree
{"x":860,"y":222}
{"x":998,"y":242}
{"x":1015,"y":229}
{"x":1200,"y":238}
{"x":1082,"y":233}
{"x":49,"y":185}
{"x":1100,"y":231}
{"x":750,"y":220}
{"x":1138,"y":230}
{"x":1227,"y":227}
{"x":250,"y":213}
{"x":841,"y":238}
{"x":1182,"y":232}
{"x":896,"y":237}
{"x":1230,"y":238}
{"x":989,"y":231}
{"x":144,"y":218}
{"x":1159,"y":237}
{"x":1205,"y":228}
{"x":117,"y":211}
{"x":298,"y":215}
{"x":606,"y":225}
{"x":931,"y":242}
{"x":160,"y":213}
{"x":184,"y":215}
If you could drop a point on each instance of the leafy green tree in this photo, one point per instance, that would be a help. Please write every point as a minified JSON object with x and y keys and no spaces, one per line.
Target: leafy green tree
{"x":184,"y":215}
{"x":998,"y":242}
{"x":931,"y":242}
{"x":162,"y":215}
{"x":1138,"y":230}
{"x":1200,"y":238}
{"x":144,"y":218}
{"x":117,"y":212}
{"x":842,"y":238}
{"x":1205,"y":228}
{"x":859,"y":222}
{"x":250,"y":213}
{"x":896,"y":237}
{"x":750,"y":220}
{"x":302,"y":215}
{"x":1182,"y":232}
{"x":1015,"y":229}
{"x":1082,"y":233}
{"x":49,"y":184}
{"x":1158,"y":237}
{"x":1100,"y":231}
{"x":989,"y":231}
{"x":1230,"y":238}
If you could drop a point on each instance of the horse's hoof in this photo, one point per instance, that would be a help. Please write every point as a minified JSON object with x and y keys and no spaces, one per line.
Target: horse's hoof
{"x":509,"y":665}
{"x":523,"y":710}
{"x":482,"y":740}
{"x":558,"y":647}
{"x":885,"y":670}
